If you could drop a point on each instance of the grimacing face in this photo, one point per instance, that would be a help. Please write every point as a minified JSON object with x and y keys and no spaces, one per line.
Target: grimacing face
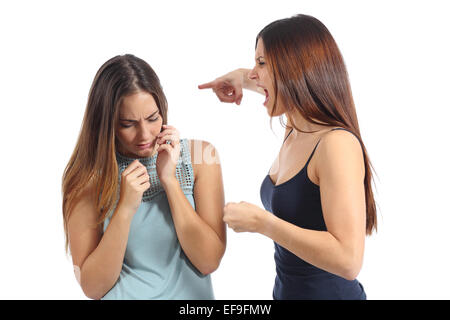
{"x":139,"y":122}
{"x":263,"y":77}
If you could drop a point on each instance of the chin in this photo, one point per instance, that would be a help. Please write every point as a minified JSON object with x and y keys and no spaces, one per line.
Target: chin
{"x":145,"y":153}
{"x":278,"y":111}
{"x":270,"y":110}
{"x":138,"y":153}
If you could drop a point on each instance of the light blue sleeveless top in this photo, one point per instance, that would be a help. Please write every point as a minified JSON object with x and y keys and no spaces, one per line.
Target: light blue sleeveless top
{"x":155,"y":266}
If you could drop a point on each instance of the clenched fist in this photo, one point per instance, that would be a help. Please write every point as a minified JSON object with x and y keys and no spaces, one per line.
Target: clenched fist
{"x":134,"y":181}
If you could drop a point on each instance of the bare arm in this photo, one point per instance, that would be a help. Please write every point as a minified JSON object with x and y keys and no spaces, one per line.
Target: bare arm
{"x":201,"y":232}
{"x":228,"y":87}
{"x":249,"y":84}
{"x":98,"y":256}
{"x":340,"y":249}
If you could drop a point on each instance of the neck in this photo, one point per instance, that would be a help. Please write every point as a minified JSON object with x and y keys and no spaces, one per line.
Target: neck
{"x":301,"y":123}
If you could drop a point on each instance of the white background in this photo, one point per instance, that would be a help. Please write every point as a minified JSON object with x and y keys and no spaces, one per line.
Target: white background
{"x":397,"y":57}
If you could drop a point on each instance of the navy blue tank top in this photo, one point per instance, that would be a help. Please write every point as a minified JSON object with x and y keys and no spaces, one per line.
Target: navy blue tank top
{"x":297,"y":201}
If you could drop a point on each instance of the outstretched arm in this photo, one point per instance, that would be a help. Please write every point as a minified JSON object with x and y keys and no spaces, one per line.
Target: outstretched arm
{"x":228,"y":87}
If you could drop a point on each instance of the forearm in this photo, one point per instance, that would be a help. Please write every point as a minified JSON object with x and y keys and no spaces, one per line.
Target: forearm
{"x":319,"y":248}
{"x":101,"y":269}
{"x":199,"y":241}
{"x":248,"y":83}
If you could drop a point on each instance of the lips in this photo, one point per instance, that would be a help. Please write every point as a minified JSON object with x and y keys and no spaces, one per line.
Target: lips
{"x":144,"y":146}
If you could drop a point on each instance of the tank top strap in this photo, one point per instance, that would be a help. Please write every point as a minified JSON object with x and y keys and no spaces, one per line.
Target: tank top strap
{"x":312,"y":153}
{"x":342,"y":129}
{"x":288,"y":135}
{"x":268,"y":172}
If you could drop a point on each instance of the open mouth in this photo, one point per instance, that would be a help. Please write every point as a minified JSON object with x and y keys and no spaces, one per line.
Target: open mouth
{"x":267,"y":97}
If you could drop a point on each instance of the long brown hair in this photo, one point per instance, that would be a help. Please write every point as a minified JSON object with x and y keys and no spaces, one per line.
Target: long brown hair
{"x":310,"y":78}
{"x":94,"y":157}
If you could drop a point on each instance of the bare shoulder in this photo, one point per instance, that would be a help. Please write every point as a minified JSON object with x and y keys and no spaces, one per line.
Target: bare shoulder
{"x":339,"y":141}
{"x":84,"y":199}
{"x":204,"y":156}
{"x":203,"y":153}
{"x":339,"y":151}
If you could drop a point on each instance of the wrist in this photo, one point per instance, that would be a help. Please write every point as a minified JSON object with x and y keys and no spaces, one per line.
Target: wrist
{"x":244,"y":74}
{"x":124,"y":212}
{"x":168,"y":183}
{"x":267,"y":220}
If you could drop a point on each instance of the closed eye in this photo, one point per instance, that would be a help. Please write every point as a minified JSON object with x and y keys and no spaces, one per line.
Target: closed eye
{"x":123,"y":125}
{"x":131,"y":123}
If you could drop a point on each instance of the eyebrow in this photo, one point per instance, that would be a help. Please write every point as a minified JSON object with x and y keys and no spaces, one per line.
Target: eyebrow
{"x":130,"y":120}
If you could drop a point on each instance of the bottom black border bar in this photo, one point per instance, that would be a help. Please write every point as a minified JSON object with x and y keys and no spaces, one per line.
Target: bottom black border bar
{"x":226,"y":309}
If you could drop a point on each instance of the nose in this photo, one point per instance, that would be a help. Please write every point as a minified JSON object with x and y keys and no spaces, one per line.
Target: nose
{"x":252,"y":75}
{"x":144,"y":133}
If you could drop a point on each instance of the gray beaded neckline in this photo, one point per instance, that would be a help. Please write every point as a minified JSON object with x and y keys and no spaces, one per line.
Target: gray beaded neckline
{"x":183,"y":172}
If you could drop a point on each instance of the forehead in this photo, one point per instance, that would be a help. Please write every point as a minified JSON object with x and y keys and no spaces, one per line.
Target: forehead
{"x":259,"y":51}
{"x":138,"y":104}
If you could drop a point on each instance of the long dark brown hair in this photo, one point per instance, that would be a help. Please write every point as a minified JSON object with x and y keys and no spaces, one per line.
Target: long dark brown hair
{"x":94,"y":157}
{"x":310,"y":78}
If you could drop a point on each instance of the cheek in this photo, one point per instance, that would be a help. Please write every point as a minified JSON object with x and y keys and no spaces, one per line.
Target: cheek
{"x":156,"y":127}
{"x":124,"y":136}
{"x":268,"y":84}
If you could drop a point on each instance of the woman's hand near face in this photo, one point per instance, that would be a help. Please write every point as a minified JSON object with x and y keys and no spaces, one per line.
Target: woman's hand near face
{"x":228,"y":88}
{"x":134,"y":181}
{"x":168,"y":154}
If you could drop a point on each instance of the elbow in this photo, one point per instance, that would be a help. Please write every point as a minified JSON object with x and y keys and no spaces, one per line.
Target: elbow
{"x":351,"y":262}
{"x":94,"y":285}
{"x":351,"y":269}
{"x":92,"y":296}
{"x":212,"y":264}
{"x":92,"y":291}
{"x":209,"y":268}
{"x":89,"y":293}
{"x":206,"y":272}
{"x":350,"y":274}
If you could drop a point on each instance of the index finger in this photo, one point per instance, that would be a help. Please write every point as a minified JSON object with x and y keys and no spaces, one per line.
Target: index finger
{"x":207,"y":85}
{"x":131,"y":167}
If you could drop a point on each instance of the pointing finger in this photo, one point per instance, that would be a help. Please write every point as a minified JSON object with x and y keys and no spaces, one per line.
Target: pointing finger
{"x":207,"y":85}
